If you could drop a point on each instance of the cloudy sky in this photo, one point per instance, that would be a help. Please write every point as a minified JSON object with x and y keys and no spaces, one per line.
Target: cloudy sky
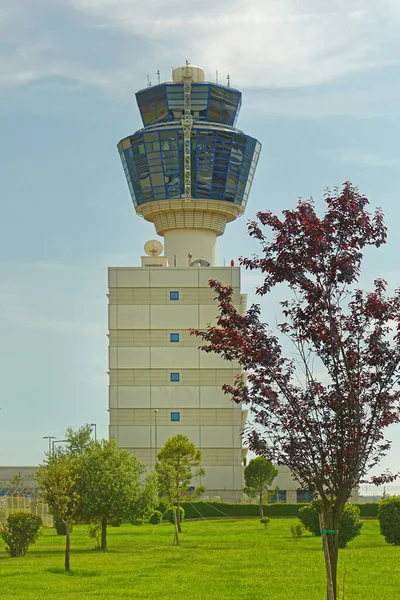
{"x":321,"y":91}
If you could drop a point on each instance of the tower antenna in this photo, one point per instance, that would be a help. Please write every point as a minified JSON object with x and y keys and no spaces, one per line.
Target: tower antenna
{"x":158,"y":75}
{"x":216,"y":76}
{"x":228,"y":80}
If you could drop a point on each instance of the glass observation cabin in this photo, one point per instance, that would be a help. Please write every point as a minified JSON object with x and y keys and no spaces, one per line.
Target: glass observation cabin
{"x":223,"y":159}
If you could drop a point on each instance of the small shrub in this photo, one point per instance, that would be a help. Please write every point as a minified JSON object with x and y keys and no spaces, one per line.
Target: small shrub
{"x":20,"y":531}
{"x":389,"y":519}
{"x":309,"y":517}
{"x":297,"y":531}
{"x":116,"y":522}
{"x":349,"y":525}
{"x":169,"y":515}
{"x":264,"y":521}
{"x":94,"y":531}
{"x":156,"y":517}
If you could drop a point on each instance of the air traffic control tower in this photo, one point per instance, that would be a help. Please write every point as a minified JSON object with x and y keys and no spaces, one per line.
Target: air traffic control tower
{"x":189,"y":171}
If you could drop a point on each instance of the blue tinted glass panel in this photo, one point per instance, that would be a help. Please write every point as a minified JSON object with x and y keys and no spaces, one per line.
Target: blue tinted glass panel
{"x":152,"y":104}
{"x":209,"y":102}
{"x":174,"y":337}
{"x":304,"y":496}
{"x":174,"y":376}
{"x":174,"y":295}
{"x":278,"y":496}
{"x":223,"y":165}
{"x":175,"y":416}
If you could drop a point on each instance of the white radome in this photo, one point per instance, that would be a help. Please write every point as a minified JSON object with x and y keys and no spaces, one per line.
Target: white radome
{"x":197,"y":74}
{"x":153,"y":248}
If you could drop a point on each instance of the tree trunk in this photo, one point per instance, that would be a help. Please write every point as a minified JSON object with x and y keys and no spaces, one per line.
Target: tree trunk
{"x":103,"y":545}
{"x":261,"y":505}
{"x":67,"y":547}
{"x":178,"y":513}
{"x":330,"y":541}
{"x":176,"y":529}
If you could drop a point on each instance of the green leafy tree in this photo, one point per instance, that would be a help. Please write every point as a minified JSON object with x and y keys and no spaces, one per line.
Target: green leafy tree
{"x":178,"y":463}
{"x":78,"y":441}
{"x":59,"y":479}
{"x":110,"y":486}
{"x":258,"y":476}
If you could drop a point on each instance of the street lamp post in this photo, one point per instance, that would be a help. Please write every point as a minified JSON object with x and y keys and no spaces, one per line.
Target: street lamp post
{"x":58,"y":442}
{"x":155,"y":435}
{"x":94,"y":426}
{"x":49,"y":437}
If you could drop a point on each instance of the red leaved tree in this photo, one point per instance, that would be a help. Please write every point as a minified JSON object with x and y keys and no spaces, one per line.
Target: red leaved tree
{"x":322,"y":413}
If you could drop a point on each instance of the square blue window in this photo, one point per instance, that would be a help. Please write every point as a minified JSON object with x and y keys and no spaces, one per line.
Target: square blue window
{"x":174,"y":295}
{"x":174,"y":337}
{"x":175,"y":416}
{"x":174,"y":376}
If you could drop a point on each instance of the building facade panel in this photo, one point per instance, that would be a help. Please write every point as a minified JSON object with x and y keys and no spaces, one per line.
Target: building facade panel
{"x":174,"y":316}
{"x":129,"y":317}
{"x":221,"y":436}
{"x":128,"y":277}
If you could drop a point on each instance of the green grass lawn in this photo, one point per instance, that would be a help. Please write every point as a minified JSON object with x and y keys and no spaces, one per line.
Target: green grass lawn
{"x":217,"y":560}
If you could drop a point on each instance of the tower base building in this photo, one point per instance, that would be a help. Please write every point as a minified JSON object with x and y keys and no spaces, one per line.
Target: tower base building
{"x":189,"y":171}
{"x":161,"y":384}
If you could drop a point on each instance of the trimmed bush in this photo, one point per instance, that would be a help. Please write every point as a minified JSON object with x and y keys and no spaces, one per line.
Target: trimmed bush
{"x":349,"y":524}
{"x":264,"y":521}
{"x":207,"y":510}
{"x":21,"y":529}
{"x":156,"y":517}
{"x":368,"y":509}
{"x":197,"y":510}
{"x":389,"y":519}
{"x":308,"y":515}
{"x":169,"y":515}
{"x":297,"y":531}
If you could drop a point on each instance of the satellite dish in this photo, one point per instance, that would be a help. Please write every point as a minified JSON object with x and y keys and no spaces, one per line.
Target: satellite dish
{"x":153,"y":248}
{"x":201,"y":262}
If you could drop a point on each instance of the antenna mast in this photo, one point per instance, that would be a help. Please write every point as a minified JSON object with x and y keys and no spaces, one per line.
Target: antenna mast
{"x":187,"y":124}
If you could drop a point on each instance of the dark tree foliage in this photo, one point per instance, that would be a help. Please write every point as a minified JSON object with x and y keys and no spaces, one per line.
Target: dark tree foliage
{"x":324,"y":412}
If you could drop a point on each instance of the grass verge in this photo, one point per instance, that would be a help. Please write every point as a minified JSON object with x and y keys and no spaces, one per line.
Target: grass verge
{"x":217,"y":560}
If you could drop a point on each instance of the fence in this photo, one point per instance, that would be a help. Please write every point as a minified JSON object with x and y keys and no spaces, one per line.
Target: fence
{"x":15,"y":502}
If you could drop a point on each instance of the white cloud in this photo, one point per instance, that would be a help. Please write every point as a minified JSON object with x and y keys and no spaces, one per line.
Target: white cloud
{"x":260,"y":42}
